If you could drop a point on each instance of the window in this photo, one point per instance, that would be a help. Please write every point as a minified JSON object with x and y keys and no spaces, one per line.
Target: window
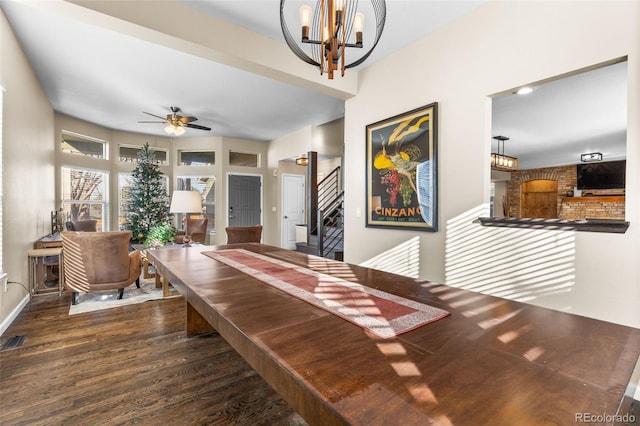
{"x":196,"y":158}
{"x":129,"y":154}
{"x":75,"y":143}
{"x":125,"y":181}
{"x":243,"y":159}
{"x":84,"y":194}
{"x":2,"y":275}
{"x":206,"y":187}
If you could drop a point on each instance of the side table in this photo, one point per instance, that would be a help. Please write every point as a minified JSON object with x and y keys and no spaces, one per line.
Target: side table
{"x":39,"y":262}
{"x":44,"y":268}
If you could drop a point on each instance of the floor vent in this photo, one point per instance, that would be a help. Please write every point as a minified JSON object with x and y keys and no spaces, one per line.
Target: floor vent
{"x":13,"y":342}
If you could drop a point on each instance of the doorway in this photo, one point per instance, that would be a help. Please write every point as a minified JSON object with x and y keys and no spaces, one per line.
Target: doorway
{"x":540,"y":199}
{"x":244,"y":196}
{"x":292,"y":208}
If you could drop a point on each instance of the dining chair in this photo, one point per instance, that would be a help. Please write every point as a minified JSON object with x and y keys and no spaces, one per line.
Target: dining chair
{"x":244,"y":234}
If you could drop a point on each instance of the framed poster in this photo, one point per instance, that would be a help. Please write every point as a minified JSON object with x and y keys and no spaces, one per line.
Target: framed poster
{"x":402,"y":171}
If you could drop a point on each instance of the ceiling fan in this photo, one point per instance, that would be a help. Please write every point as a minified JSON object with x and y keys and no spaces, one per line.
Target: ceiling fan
{"x":175,"y":124}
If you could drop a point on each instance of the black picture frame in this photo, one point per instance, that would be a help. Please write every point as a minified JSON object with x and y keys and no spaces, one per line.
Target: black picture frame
{"x":402,"y":172}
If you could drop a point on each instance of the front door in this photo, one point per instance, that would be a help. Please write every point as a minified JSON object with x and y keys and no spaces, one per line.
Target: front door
{"x":245,"y":199}
{"x":292,"y":208}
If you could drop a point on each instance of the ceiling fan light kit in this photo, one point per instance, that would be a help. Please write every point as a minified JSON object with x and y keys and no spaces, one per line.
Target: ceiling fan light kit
{"x":176,"y":124}
{"x":326,"y":32}
{"x":174,"y":129}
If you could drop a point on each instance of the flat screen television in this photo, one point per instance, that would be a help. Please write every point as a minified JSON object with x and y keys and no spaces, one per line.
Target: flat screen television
{"x":605,"y":175}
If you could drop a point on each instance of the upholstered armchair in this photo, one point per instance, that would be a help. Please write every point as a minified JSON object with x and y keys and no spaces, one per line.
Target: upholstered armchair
{"x":95,"y":261}
{"x":86,"y":225}
{"x":196,"y":228}
{"x":244,"y":234}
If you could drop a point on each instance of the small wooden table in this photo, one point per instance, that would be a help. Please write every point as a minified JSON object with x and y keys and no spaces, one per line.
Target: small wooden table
{"x":46,"y":256}
{"x":491,"y":362}
{"x":38,"y":269}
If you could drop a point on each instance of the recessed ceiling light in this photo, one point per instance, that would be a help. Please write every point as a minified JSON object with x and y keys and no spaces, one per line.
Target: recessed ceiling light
{"x":524,"y":90}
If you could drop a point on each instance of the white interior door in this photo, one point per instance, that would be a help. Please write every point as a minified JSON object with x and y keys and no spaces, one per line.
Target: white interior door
{"x":292,"y":208}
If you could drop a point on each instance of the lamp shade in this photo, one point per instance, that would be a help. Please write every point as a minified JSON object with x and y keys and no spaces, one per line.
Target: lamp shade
{"x":185,"y":202}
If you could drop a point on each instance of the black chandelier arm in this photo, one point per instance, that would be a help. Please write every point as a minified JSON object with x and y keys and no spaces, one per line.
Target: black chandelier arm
{"x":319,"y":42}
{"x":291,"y":41}
{"x":380,"y":9}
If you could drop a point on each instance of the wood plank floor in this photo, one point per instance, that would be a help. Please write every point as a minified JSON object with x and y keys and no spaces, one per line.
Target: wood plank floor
{"x":125,"y":365}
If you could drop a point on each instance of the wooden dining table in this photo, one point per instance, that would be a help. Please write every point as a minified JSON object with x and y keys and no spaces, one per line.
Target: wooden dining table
{"x":492,"y":361}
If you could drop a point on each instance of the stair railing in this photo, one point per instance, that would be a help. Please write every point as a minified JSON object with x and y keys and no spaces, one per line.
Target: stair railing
{"x":330,"y":223}
{"x":331,"y":226}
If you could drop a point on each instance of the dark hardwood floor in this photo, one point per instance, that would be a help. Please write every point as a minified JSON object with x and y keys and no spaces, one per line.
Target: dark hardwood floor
{"x":125,"y":365}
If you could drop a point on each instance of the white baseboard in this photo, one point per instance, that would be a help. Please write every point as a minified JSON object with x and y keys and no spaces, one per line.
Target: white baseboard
{"x":12,"y":316}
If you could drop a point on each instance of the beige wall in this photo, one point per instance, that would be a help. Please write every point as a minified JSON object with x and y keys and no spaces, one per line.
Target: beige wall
{"x":325,"y":139}
{"x":496,"y":48}
{"x":28,"y":164}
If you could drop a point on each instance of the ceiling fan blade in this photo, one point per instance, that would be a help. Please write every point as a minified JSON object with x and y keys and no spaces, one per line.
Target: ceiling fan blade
{"x":196,"y":126}
{"x":186,"y":119}
{"x":153,"y":115}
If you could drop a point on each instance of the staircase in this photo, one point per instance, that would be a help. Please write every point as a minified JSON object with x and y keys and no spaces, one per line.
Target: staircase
{"x":327,"y":237}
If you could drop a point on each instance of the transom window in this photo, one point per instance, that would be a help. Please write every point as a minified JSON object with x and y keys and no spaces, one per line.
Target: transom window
{"x":243,"y":159}
{"x":75,"y":143}
{"x":129,"y":154}
{"x":196,"y":158}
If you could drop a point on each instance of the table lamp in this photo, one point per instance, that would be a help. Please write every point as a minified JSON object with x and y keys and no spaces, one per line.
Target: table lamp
{"x":185,"y":202}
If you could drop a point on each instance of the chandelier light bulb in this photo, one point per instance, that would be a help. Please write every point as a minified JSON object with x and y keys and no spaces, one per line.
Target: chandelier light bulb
{"x":305,"y":15}
{"x":358,"y":22}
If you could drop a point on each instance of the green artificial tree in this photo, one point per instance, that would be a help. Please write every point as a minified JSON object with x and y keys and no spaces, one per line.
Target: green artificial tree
{"x":148,"y":199}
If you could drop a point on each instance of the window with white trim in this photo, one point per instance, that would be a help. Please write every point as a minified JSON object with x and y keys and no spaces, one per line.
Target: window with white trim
{"x":85,"y":194}
{"x":125,"y":182}
{"x":75,"y":143}
{"x":244,"y":159}
{"x":129,"y":154}
{"x":196,"y":158}
{"x":2,"y":275}
{"x":205,"y":185}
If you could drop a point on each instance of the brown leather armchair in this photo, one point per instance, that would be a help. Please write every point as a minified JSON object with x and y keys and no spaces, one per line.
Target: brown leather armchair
{"x":244,"y":234}
{"x":196,"y":228}
{"x":86,"y":225}
{"x":96,"y":261}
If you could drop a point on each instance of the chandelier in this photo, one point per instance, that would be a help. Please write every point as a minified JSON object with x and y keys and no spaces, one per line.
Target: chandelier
{"x":499,"y":161}
{"x":327,"y":30}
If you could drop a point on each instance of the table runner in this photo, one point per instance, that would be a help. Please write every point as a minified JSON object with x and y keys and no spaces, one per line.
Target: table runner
{"x":384,"y":314}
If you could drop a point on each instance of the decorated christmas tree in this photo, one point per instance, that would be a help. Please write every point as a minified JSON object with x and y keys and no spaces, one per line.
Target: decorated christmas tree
{"x":148,"y":201}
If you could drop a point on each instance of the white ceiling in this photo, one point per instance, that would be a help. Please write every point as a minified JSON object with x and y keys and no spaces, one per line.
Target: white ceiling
{"x":110,"y":78}
{"x":95,"y":72}
{"x":564,"y":118}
